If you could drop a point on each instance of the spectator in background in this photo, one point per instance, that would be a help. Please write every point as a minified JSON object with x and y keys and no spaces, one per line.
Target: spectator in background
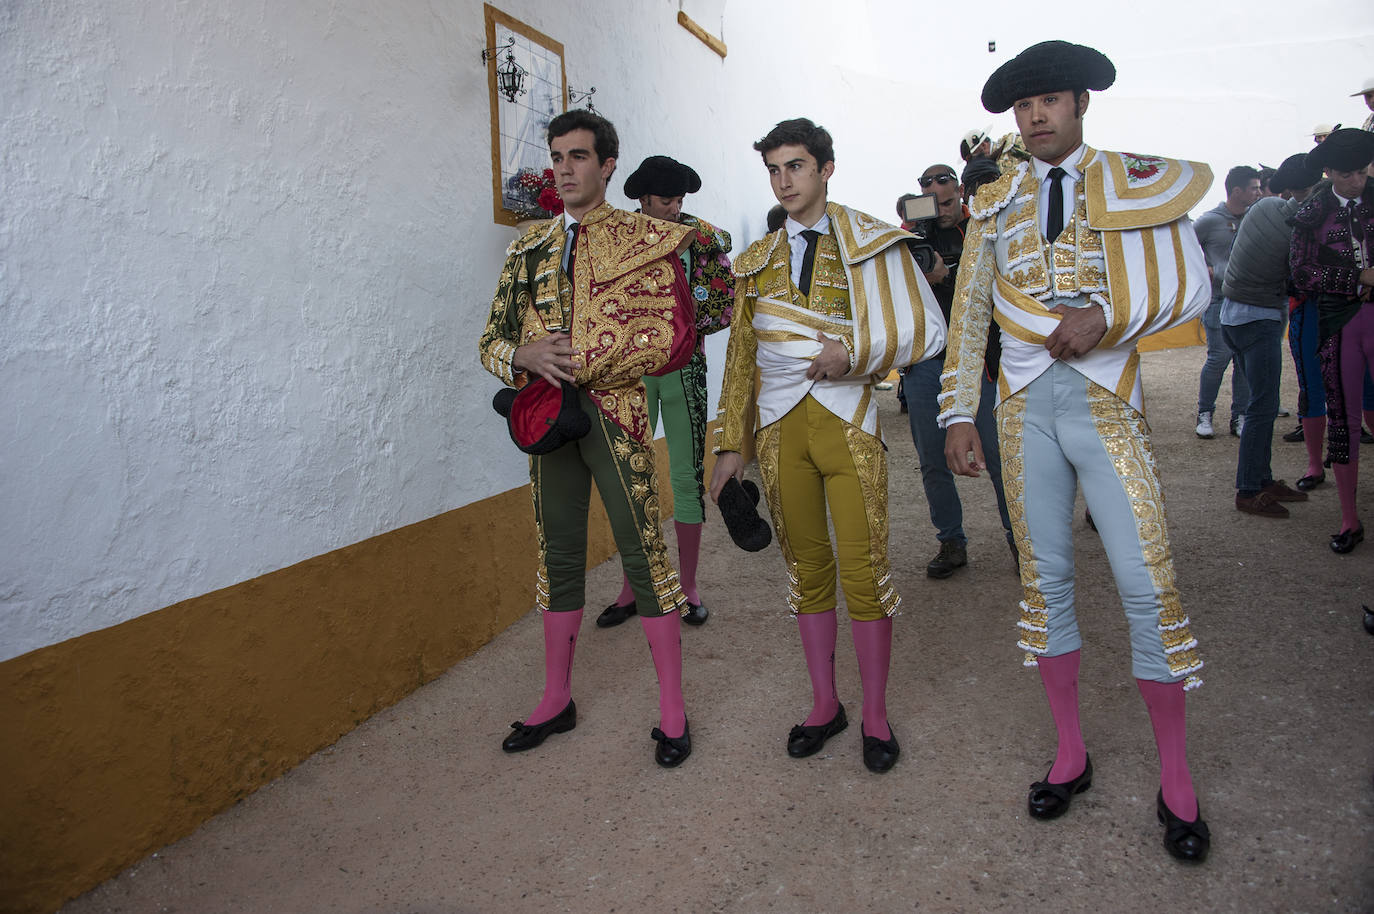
{"x":1331,"y":260}
{"x":1253,"y":308}
{"x":978,"y":172}
{"x":1321,"y":132}
{"x":1367,"y":90}
{"x":922,"y":388}
{"x":1216,"y":231}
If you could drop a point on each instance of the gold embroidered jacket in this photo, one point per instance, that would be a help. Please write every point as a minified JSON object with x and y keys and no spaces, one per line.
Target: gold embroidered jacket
{"x":1127,"y":246}
{"x":628,"y":310}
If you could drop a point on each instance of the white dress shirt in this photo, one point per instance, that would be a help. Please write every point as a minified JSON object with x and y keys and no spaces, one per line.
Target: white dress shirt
{"x":798,"y":243}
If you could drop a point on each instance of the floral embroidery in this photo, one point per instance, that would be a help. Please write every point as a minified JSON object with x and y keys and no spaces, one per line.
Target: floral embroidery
{"x":1140,"y":168}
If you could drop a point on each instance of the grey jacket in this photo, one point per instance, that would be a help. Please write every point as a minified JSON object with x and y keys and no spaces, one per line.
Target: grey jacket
{"x":1257,"y":273}
{"x":1216,"y":232}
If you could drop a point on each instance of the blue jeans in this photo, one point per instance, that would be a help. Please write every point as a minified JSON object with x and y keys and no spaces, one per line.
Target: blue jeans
{"x":1258,"y":350}
{"x":921,"y":387}
{"x":1219,"y":355}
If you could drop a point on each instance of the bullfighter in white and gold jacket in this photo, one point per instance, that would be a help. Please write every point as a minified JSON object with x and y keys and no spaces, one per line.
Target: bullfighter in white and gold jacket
{"x":1077,"y":254}
{"x":824,"y":308}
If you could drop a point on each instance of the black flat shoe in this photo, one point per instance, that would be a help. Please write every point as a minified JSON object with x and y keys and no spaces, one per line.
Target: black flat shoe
{"x":1050,"y":801}
{"x":1344,"y":542}
{"x":880,"y":754}
{"x":672,"y":750}
{"x":614,"y":615}
{"x":1308,"y":483}
{"x":527,"y":736}
{"x":695,"y":614}
{"x":1187,"y":841}
{"x":804,"y":741}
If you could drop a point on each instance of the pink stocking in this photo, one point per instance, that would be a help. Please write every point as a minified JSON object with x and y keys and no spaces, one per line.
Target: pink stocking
{"x":1347,"y":475}
{"x":1313,"y":437}
{"x":627,"y":594}
{"x":818,"y":642}
{"x":688,"y":551}
{"x":1059,"y":676}
{"x":560,"y":640}
{"x":873,"y":645}
{"x":1164,"y":701}
{"x":665,"y":646}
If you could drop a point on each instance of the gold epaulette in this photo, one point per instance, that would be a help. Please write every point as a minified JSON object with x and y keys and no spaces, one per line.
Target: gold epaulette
{"x":757,"y":255}
{"x":535,"y":235}
{"x":992,"y":197}
{"x":628,"y":241}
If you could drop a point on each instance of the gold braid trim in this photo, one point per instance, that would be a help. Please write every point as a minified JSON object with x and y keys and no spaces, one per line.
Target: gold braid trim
{"x":1125,"y":435}
{"x":767,"y":445}
{"x":870,"y":465}
{"x":1033,"y":626}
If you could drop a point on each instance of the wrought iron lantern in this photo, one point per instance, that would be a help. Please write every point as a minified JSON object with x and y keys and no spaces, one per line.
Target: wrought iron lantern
{"x":510,"y":76}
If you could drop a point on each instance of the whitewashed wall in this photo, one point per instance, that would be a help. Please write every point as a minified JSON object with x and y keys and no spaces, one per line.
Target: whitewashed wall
{"x":246,"y":247}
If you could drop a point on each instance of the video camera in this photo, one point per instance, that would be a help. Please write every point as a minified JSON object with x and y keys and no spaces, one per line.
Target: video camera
{"x":919,"y":214}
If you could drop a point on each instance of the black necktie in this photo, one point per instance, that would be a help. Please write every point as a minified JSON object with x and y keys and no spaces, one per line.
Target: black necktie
{"x":808,"y":260}
{"x":572,"y":250}
{"x":1055,"y":223}
{"x":1356,"y":229}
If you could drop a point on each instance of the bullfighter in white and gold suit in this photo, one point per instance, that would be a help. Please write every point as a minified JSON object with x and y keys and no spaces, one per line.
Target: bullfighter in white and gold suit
{"x":1077,"y":254}
{"x":824,"y":308}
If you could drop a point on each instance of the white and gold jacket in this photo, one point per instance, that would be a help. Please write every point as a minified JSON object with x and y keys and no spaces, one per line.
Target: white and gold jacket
{"x":1127,"y":247}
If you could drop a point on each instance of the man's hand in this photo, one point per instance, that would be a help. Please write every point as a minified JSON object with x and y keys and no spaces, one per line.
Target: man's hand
{"x":938,"y":273}
{"x":833,"y":361}
{"x":963,"y":449}
{"x":551,"y":357}
{"x":728,"y":464}
{"x":1078,"y":332}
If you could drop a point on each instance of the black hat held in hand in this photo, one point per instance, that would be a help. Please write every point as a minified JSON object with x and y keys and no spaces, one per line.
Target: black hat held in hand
{"x":542,"y":417}
{"x":738,"y":504}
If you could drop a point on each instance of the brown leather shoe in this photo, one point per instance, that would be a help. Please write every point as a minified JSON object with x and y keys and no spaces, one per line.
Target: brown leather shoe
{"x":1279,"y":491}
{"x":1261,"y":504}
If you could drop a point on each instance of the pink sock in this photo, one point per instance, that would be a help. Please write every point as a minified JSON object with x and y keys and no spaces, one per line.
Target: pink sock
{"x":818,"y":632}
{"x":1059,"y":676}
{"x":688,"y":552}
{"x":627,"y":594}
{"x":560,"y":641}
{"x":873,"y":645}
{"x":1164,"y":701}
{"x":665,"y":646}
{"x":1313,"y":437}
{"x":1347,"y":475}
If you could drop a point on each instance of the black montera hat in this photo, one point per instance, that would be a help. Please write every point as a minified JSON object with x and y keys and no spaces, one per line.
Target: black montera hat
{"x":1294,"y":174}
{"x":1050,"y":66}
{"x":739,"y":509}
{"x":1346,"y":149}
{"x":540,"y":417}
{"x":663,"y":177}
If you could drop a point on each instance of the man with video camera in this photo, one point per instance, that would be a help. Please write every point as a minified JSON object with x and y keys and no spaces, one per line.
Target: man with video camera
{"x":943,"y":238}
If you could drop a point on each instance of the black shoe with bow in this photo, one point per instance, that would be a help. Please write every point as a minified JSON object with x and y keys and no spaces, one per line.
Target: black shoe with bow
{"x":1346,"y":540}
{"x":1187,"y":841}
{"x":672,"y":750}
{"x":527,"y":736}
{"x":615,"y":614}
{"x":804,"y":740}
{"x":1050,"y":801}
{"x":880,"y":754}
{"x":695,"y":614}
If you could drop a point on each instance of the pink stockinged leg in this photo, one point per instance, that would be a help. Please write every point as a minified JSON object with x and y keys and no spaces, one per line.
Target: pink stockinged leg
{"x":1059,"y":676}
{"x":627,"y":594}
{"x":688,"y":553}
{"x":873,"y":645}
{"x":1347,"y":475}
{"x":1313,"y":437}
{"x":665,"y":646}
{"x":818,"y":633}
{"x":560,"y":641}
{"x":1164,"y":701}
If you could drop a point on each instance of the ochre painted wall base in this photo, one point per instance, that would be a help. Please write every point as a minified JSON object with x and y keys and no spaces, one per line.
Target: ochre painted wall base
{"x":123,"y":740}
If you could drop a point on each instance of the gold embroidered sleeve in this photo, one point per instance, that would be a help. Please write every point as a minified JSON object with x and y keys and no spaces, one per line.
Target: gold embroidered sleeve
{"x":970,"y":320}
{"x":502,"y":335}
{"x":737,"y":406}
